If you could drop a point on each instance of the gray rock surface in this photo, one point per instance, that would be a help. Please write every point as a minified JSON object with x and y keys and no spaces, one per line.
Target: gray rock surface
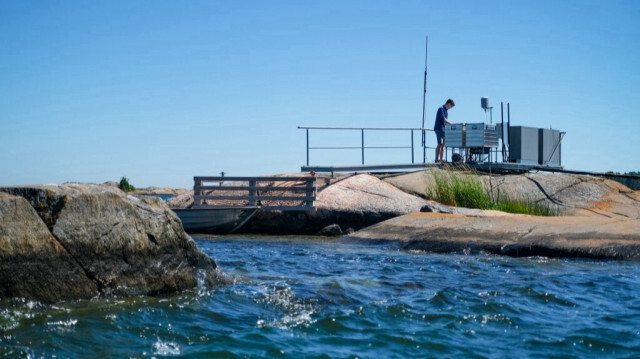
{"x":510,"y":234}
{"x":181,"y":201}
{"x":32,"y":263}
{"x":123,"y":245}
{"x":158,"y":190}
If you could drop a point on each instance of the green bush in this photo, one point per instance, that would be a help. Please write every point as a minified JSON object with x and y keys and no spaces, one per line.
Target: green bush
{"x":464,"y":189}
{"x":125,"y":185}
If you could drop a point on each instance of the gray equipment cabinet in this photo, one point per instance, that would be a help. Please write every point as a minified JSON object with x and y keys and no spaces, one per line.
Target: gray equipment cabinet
{"x":481,"y":135}
{"x":453,"y":136}
{"x":524,"y":145}
{"x":549,"y":146}
{"x":471,"y":141}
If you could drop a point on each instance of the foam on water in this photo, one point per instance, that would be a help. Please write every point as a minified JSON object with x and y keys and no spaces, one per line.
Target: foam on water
{"x":64,"y":323}
{"x":165,"y":348}
{"x":294,"y":312}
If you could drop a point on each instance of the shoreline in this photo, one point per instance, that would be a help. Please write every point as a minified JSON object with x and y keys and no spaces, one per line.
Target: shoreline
{"x":601,"y":218}
{"x":84,"y":240}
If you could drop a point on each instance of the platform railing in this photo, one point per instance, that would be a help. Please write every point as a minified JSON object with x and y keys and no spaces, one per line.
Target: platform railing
{"x":362,"y":147}
{"x":270,"y":193}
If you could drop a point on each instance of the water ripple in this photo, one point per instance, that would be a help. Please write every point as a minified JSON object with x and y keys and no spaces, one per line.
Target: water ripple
{"x":317,"y":298}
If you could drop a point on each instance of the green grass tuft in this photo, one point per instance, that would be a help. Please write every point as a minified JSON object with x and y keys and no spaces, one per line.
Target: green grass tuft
{"x":464,"y":189}
{"x":525,"y":207}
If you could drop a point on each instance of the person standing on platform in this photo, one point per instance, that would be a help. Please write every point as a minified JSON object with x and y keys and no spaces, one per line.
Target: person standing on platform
{"x":442,"y":118}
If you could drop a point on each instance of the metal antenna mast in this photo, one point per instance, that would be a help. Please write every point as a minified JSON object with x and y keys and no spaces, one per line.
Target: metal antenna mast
{"x":424,"y":96}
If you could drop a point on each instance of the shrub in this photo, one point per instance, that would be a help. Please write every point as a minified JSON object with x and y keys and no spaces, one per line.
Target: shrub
{"x":125,"y":185}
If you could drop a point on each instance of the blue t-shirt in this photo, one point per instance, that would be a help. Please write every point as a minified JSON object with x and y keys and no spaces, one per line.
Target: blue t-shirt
{"x":440,"y":116}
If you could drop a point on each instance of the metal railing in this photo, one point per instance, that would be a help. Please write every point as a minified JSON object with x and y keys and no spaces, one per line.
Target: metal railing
{"x":363,"y":146}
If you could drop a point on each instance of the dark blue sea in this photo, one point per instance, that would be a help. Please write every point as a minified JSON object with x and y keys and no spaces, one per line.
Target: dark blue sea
{"x":316,"y":298}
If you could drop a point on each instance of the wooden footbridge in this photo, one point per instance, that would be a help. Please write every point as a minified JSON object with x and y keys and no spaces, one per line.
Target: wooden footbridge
{"x":287,"y":193}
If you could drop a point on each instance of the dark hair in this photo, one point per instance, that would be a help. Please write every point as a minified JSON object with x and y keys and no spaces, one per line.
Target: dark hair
{"x":450,"y":101}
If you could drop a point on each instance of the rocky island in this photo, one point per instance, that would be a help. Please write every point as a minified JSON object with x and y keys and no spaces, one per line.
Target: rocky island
{"x":82,"y":240}
{"x":596,"y":217}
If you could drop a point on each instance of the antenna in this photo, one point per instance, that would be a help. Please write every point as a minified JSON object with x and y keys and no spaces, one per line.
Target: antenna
{"x":424,"y":97}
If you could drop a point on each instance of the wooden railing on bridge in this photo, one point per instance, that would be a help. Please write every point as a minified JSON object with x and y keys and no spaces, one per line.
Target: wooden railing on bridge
{"x":270,"y":193}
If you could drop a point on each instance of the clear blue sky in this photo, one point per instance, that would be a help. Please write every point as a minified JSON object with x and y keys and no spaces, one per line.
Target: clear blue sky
{"x":160,"y":91}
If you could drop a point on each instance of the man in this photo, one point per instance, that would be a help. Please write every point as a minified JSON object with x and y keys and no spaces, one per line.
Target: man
{"x":441,"y":118}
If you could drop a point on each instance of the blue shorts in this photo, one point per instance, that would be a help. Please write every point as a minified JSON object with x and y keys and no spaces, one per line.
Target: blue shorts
{"x":440,"y":137}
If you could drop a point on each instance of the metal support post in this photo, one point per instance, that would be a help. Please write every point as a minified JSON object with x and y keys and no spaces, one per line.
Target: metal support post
{"x":424,"y":147}
{"x":307,"y":147}
{"x":362,"y":136}
{"x":412,"y":161}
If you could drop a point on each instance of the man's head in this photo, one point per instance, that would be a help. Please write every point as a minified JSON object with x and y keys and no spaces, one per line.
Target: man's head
{"x":449,"y":104}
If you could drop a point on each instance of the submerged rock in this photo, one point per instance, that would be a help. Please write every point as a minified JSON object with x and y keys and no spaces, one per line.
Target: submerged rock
{"x":331,"y":230}
{"x":110,"y":243}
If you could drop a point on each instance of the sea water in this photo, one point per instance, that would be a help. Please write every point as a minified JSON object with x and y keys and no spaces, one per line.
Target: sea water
{"x":304,"y":297}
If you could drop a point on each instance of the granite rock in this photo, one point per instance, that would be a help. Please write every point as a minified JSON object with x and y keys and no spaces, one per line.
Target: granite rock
{"x":123,"y":245}
{"x":33,"y":264}
{"x":599,"y":218}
